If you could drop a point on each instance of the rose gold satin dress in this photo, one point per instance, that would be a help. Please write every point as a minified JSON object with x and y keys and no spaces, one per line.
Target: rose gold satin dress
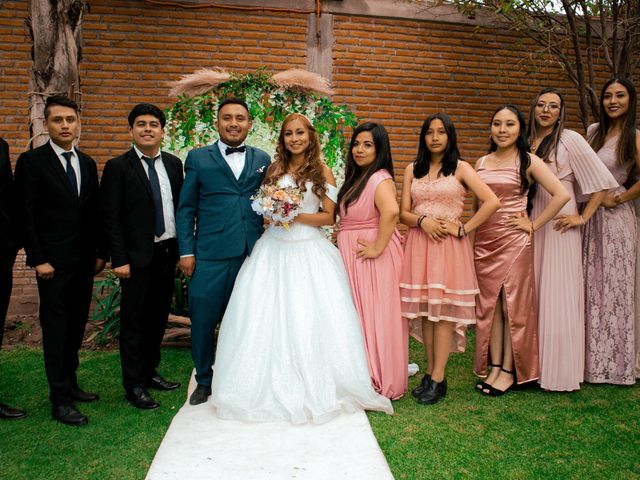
{"x":504,"y":263}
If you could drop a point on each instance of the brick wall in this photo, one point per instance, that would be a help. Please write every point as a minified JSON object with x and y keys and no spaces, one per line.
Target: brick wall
{"x":395,"y":71}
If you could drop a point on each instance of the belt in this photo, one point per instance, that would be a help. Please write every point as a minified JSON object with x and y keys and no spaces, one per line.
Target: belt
{"x":168,"y":243}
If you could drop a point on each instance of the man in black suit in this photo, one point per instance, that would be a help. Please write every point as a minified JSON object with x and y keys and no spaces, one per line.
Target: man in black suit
{"x":59,"y":205}
{"x":140,"y":192}
{"x":8,"y":249}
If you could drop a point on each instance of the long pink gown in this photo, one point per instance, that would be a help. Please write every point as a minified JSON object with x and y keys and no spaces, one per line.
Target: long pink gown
{"x":558,"y":266}
{"x":438,"y":279}
{"x":376,"y":291}
{"x":504,"y":262}
{"x":609,"y":261}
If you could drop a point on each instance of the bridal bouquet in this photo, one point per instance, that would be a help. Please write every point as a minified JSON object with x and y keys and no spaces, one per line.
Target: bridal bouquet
{"x":278,"y":204}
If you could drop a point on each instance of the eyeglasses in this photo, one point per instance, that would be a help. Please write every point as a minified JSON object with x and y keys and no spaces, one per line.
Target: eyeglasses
{"x":547,"y":106}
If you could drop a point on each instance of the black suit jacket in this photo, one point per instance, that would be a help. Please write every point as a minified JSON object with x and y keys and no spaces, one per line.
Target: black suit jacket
{"x":7,"y":230}
{"x":129,"y":210}
{"x":57,"y":226}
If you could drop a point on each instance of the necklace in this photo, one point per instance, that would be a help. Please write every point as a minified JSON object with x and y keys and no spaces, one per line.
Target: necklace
{"x":502,"y":161}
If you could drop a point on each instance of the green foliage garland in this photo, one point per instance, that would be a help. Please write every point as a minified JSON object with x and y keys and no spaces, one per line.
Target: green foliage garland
{"x":190,"y":121}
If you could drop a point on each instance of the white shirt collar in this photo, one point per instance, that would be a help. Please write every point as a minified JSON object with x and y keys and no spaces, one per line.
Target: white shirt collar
{"x":59,"y":150}
{"x":223,"y":146}
{"x":140,"y":154}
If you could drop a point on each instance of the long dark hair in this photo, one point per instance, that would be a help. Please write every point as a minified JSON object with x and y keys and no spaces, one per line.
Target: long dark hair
{"x":522,"y":144}
{"x":549,"y":144}
{"x":355,"y":177}
{"x":451,"y":153}
{"x":312,"y":170}
{"x":626,"y":148}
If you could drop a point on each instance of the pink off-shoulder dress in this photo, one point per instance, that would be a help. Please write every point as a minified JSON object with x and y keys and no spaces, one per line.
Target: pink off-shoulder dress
{"x":376,"y":291}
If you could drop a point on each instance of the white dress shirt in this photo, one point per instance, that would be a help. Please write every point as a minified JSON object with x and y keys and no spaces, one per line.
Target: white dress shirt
{"x":165,"y":193}
{"x":75,"y":162}
{"x":235,"y":160}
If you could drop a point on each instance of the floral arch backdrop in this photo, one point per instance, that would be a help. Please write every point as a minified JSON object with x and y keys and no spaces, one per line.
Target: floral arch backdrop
{"x":190,"y":121}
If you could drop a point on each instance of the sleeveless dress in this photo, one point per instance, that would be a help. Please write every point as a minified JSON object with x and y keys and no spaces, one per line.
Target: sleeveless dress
{"x":609,"y":260}
{"x":290,"y":345}
{"x":504,"y":262}
{"x":558,"y":265}
{"x":438,"y":279}
{"x":376,"y":292}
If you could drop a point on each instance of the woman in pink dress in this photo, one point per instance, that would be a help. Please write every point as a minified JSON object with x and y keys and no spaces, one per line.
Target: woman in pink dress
{"x":609,"y":243}
{"x":557,"y":247}
{"x":371,"y":249}
{"x":506,"y":330}
{"x":438,"y":282}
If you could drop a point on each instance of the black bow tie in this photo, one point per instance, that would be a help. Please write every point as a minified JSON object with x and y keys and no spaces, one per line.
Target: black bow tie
{"x":231,"y":150}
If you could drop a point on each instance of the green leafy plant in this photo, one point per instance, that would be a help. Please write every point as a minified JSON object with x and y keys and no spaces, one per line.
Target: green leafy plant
{"x":180,"y":304}
{"x":107,"y":295}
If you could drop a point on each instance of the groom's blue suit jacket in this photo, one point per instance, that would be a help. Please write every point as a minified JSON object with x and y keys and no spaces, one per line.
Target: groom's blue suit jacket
{"x":215,"y":220}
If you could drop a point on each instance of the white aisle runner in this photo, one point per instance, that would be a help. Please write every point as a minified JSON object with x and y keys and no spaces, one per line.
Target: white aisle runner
{"x":198,"y":445}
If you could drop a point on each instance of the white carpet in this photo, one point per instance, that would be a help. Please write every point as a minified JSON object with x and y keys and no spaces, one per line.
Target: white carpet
{"x":198,"y":445}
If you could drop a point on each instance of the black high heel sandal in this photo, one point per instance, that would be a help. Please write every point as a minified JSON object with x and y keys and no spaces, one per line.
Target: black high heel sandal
{"x":481,"y":384}
{"x":492,"y":391}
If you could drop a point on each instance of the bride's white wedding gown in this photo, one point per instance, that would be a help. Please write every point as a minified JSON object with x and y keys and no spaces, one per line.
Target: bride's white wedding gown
{"x":290,"y":344}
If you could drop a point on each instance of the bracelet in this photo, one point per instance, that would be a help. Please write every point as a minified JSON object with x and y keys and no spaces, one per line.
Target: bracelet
{"x":460,"y":231}
{"x":420,"y":219}
{"x":582,"y":220}
{"x":616,"y":198}
{"x":464,"y":232}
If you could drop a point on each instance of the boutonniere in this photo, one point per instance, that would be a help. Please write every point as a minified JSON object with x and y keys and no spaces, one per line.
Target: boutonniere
{"x":261,"y":169}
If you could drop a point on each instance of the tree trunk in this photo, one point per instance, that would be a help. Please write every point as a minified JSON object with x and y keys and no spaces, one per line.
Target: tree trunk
{"x":56,"y":33}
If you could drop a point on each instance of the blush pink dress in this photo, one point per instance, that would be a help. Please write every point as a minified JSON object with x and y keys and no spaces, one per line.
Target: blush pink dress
{"x":558,"y":265}
{"x":504,"y":263}
{"x":438,"y":280}
{"x":376,"y":291}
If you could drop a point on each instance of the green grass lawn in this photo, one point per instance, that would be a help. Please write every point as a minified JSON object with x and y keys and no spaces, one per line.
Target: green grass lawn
{"x":593,"y":433}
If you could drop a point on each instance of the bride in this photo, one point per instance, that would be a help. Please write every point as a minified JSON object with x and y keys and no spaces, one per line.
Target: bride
{"x":290,"y":345}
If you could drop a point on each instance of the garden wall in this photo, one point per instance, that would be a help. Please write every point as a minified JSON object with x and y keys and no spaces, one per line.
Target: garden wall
{"x":389,"y":62}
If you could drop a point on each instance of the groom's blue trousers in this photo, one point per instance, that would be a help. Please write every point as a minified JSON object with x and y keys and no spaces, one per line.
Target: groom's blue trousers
{"x":209,"y":293}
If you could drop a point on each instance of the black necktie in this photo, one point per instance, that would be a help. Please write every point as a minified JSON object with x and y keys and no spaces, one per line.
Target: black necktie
{"x":230,"y":150}
{"x":71,"y":173}
{"x":157,"y":197}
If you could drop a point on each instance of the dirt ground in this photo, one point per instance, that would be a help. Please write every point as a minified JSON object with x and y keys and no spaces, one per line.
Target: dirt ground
{"x":25,"y":330}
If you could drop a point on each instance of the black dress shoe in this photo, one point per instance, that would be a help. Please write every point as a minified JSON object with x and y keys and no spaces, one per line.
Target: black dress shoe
{"x":200,"y":394}
{"x":79,"y":395}
{"x":69,"y":415}
{"x":160,"y":383}
{"x":140,"y":398}
{"x":434,"y":392}
{"x":10,"y":413}
{"x":423,"y":384}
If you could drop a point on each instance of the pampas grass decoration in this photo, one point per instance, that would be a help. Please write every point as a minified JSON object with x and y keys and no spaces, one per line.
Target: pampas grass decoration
{"x":297,"y":79}
{"x":199,"y":82}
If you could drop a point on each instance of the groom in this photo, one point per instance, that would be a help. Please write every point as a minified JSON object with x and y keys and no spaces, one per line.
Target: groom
{"x":217,"y":228}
